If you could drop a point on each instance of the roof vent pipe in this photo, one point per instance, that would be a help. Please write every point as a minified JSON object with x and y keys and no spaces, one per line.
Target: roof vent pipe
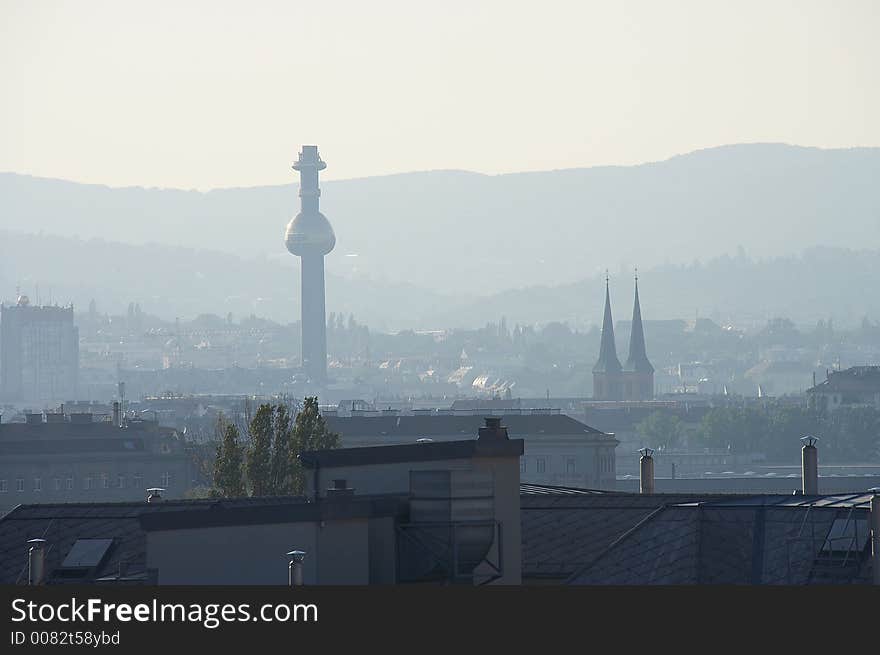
{"x":875,"y":533}
{"x":810,"y":466}
{"x":36,"y":561}
{"x":295,"y":568}
{"x":646,"y":471}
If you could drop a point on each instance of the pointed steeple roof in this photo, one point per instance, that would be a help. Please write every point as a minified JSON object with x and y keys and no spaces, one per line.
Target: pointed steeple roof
{"x":637,"y":361}
{"x":608,"y":362}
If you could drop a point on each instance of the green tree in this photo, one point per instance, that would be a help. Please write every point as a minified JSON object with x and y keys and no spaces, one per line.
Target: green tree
{"x":228,"y":479}
{"x":660,"y":429}
{"x":282,"y":474}
{"x":309,"y":433}
{"x":258,"y":460}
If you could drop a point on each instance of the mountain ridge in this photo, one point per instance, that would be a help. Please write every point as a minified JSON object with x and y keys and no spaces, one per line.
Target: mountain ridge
{"x":469,"y":233}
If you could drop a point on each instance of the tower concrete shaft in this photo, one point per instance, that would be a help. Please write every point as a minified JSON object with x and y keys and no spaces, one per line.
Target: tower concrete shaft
{"x":314,"y":327}
{"x":310,"y":237}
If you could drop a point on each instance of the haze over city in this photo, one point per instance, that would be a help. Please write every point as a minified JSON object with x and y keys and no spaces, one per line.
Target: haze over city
{"x":463,"y":293}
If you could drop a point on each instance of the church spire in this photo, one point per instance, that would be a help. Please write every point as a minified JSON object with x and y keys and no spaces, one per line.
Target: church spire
{"x":638,"y":356}
{"x":608,"y":362}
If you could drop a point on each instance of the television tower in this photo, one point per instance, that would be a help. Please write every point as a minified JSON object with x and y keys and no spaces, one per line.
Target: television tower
{"x":309,"y":236}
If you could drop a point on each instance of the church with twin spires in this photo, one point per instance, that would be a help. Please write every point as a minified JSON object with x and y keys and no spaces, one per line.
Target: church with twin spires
{"x":635,"y":379}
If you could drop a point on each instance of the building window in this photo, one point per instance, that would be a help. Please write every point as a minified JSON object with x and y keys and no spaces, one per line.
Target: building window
{"x":4,"y":486}
{"x":87,"y":483}
{"x":69,"y":484}
{"x":570,"y":466}
{"x":105,"y":481}
{"x":56,"y":484}
{"x":38,"y":484}
{"x":19,"y":485}
{"x":166,"y":480}
{"x":120,"y":481}
{"x":522,"y":464}
{"x":541,"y":465}
{"x":139,"y":481}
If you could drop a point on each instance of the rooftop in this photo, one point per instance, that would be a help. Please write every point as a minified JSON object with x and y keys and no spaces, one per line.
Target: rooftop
{"x":450,"y":425}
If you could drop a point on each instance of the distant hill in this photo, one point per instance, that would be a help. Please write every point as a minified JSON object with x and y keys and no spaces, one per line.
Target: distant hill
{"x":458,"y":233}
{"x":171,"y":281}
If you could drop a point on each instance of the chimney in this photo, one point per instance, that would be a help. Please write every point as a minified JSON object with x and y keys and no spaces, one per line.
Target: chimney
{"x":646,"y":471}
{"x":116,"y":421}
{"x":875,"y":533}
{"x":36,"y":561}
{"x":810,"y":466}
{"x":155,"y":494}
{"x":295,"y":568}
{"x":493,"y":429}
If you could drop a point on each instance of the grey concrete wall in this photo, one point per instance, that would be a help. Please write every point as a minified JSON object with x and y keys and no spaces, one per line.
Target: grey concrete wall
{"x":555,"y":450}
{"x":383,"y":551}
{"x":379,"y":478}
{"x":337,"y":552}
{"x":505,"y":471}
{"x":344,"y":552}
{"x":246,"y":554}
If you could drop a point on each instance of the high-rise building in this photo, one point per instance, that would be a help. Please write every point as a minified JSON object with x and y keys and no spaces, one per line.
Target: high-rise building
{"x":309,"y":236}
{"x":634,"y":380}
{"x":39,"y":353}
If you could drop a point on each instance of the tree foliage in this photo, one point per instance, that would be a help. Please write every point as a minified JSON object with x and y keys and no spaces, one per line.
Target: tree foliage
{"x":267,"y":463}
{"x":228,"y":466}
{"x":661,"y":430}
{"x":309,"y":433}
{"x":849,"y":434}
{"x":258,"y":461}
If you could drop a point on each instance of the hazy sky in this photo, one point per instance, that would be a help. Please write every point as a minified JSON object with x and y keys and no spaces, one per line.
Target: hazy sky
{"x":210,"y":94}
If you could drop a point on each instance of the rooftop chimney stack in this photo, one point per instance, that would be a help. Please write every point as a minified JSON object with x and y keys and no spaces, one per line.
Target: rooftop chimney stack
{"x":810,"y":466}
{"x":36,"y":561}
{"x":646,"y":471}
{"x":493,"y":429}
{"x":295,"y":568}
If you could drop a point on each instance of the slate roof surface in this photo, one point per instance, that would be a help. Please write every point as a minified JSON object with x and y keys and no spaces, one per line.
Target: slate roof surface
{"x":564,"y":529}
{"x":62,"y":524}
{"x":729,"y":543}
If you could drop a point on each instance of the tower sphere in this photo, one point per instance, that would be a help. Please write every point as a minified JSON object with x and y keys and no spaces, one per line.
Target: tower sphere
{"x":309,"y":233}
